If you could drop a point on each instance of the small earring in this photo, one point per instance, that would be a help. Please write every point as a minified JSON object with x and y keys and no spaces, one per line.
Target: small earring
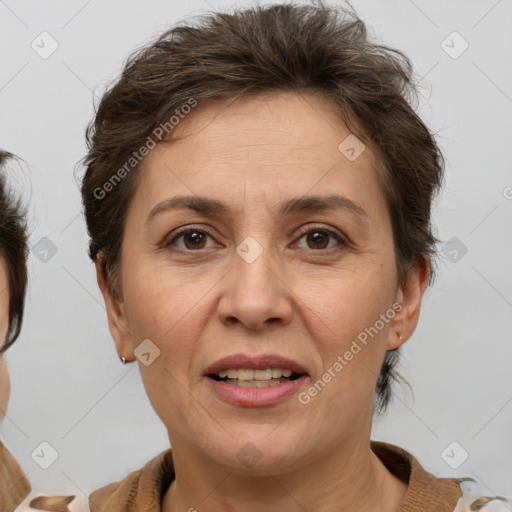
{"x":123,"y":359}
{"x":400,"y":336}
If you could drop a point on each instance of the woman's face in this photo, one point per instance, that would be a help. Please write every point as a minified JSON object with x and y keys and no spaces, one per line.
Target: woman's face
{"x":5,"y":386}
{"x":276,"y":275}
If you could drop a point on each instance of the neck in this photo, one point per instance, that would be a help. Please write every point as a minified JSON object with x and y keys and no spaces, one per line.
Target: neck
{"x":348,"y":478}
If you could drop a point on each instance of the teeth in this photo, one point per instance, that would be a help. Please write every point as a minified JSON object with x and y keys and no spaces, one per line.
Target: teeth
{"x":254,"y":383}
{"x":259,"y":375}
{"x":245,"y":374}
{"x":263,"y":374}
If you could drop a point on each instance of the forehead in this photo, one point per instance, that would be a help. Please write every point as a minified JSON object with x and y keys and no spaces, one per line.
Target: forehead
{"x":276,"y":123}
{"x":261,"y":145}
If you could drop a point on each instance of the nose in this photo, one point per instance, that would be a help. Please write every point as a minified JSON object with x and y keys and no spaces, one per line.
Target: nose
{"x":256,"y":294}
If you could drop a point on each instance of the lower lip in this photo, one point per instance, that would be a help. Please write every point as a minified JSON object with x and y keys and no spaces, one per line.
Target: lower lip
{"x":254,"y":397}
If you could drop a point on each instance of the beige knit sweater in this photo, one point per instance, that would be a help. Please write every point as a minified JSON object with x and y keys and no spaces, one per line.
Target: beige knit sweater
{"x":14,"y":486}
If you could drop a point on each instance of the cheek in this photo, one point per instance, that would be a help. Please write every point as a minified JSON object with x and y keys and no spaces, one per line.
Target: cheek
{"x":353,"y":297}
{"x":161,"y":303}
{"x":349,"y":317}
{"x":171,"y":310}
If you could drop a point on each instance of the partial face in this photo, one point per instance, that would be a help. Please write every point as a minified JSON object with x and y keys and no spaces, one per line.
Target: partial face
{"x":5,"y":386}
{"x":265,"y":272}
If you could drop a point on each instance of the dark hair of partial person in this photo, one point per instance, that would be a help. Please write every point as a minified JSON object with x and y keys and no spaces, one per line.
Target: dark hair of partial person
{"x":13,"y":250}
{"x":306,"y":49}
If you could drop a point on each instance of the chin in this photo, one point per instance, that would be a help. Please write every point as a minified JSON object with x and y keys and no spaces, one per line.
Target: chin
{"x":257,"y":453}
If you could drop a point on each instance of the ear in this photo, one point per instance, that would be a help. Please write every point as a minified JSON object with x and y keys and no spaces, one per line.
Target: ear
{"x":410,"y":296}
{"x":117,"y":321}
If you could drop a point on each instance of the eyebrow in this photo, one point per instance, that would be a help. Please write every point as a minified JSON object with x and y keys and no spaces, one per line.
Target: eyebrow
{"x":209,"y":206}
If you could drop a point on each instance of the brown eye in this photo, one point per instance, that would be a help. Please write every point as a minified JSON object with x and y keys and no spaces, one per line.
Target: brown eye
{"x":317,"y":239}
{"x":194,"y":239}
{"x":190,"y":240}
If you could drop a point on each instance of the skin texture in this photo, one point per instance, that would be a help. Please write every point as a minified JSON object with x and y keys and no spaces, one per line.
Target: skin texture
{"x":5,"y":385}
{"x":296,"y":300}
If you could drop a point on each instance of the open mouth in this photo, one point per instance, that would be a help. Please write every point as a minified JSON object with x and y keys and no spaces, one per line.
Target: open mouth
{"x":248,"y":378}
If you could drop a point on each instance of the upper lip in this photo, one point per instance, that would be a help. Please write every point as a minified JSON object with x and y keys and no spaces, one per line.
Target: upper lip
{"x":261,"y":362}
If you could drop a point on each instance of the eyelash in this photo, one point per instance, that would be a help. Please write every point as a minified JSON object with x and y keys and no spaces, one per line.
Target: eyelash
{"x":339,"y":238}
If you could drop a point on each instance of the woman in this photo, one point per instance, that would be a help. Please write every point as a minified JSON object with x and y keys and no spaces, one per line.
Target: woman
{"x":14,"y":486}
{"x":15,"y":489}
{"x":258,"y":197}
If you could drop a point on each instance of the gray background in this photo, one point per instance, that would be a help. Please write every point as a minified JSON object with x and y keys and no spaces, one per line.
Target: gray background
{"x":69,"y":388}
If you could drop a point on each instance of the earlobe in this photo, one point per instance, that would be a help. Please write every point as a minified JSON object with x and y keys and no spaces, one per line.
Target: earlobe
{"x":409,"y":295}
{"x":117,"y":321}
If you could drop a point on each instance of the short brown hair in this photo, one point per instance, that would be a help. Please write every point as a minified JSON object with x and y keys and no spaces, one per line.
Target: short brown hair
{"x":14,"y":251}
{"x":264,"y":49}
